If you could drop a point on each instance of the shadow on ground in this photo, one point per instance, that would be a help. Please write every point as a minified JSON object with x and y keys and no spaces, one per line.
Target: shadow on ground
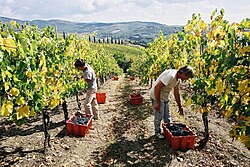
{"x":141,"y":153}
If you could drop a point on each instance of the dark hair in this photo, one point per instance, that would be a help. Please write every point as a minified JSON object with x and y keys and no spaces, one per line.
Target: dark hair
{"x":187,"y":71}
{"x":79,"y":63}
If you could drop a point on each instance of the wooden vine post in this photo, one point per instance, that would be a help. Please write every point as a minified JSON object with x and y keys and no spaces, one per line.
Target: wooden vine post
{"x":65,"y":111}
{"x":202,"y":143}
{"x":46,"y":122}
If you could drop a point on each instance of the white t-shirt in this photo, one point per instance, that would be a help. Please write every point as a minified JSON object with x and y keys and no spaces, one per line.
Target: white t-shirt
{"x":168,"y":78}
{"x":90,"y":74}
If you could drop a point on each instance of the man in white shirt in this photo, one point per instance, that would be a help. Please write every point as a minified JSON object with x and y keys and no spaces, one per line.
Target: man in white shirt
{"x":159,"y":94}
{"x":90,"y":103}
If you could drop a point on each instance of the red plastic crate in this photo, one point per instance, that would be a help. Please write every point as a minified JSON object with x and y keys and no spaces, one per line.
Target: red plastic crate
{"x":78,"y":129}
{"x":101,"y":98}
{"x":135,"y":99}
{"x":179,"y":142}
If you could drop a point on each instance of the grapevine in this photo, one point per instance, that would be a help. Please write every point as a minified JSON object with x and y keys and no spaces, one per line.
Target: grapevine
{"x":37,"y":68}
{"x":219,"y":53}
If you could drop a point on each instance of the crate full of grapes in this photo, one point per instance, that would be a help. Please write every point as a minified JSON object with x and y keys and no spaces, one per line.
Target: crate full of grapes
{"x":179,"y":136}
{"x":79,"y":124}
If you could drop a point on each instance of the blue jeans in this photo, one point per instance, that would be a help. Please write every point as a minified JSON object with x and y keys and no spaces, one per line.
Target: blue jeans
{"x":162,"y":114}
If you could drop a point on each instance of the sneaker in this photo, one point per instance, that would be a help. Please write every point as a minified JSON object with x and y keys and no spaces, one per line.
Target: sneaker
{"x":159,"y":135}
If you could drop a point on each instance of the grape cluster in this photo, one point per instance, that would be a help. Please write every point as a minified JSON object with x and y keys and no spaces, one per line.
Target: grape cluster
{"x":82,"y":120}
{"x":178,"y":129}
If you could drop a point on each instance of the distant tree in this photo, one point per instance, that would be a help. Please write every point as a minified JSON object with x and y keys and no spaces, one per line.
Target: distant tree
{"x":64,"y":35}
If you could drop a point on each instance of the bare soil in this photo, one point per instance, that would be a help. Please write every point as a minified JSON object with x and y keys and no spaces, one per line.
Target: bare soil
{"x":124,"y":136}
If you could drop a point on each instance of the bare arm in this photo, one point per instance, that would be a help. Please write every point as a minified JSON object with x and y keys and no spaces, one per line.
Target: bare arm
{"x":158,"y":88}
{"x":87,"y":80}
{"x":178,"y":100}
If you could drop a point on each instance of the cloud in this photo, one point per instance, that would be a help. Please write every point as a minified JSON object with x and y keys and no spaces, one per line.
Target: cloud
{"x":140,"y":3}
{"x":162,"y":11}
{"x":179,"y":1}
{"x":52,"y":8}
{"x":59,"y":8}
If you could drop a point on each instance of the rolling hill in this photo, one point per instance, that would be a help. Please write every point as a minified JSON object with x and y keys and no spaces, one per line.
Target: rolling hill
{"x":136,"y":32}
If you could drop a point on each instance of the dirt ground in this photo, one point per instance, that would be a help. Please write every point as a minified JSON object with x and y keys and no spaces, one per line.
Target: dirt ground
{"x":124,"y":136}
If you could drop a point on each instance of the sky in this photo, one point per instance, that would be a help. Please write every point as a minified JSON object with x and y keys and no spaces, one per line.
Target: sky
{"x":169,"y":12}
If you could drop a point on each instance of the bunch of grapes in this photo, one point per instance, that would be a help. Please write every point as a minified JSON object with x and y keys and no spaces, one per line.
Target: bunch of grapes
{"x":80,"y":119}
{"x":178,"y":129}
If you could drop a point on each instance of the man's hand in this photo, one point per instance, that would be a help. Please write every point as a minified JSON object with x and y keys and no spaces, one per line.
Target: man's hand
{"x":180,"y":111}
{"x":157,"y":106}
